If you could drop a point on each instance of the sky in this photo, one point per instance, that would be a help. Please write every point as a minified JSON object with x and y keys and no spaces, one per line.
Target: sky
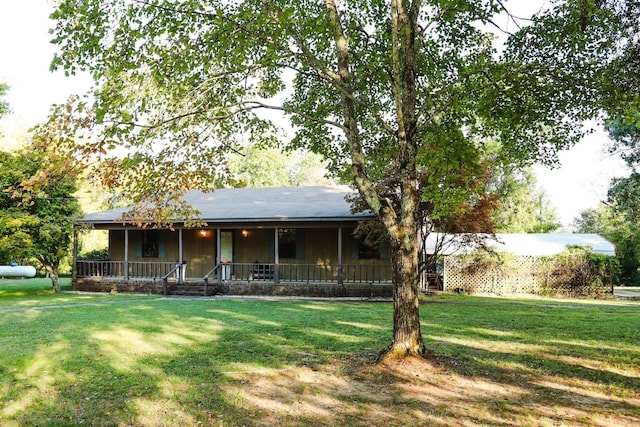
{"x":579,"y":183}
{"x":25,"y":55}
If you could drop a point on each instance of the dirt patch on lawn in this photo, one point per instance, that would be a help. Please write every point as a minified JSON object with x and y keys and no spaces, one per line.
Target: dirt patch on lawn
{"x":434,"y":391}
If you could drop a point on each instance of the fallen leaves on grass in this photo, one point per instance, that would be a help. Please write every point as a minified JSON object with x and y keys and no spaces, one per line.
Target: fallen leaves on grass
{"x":413,"y":390}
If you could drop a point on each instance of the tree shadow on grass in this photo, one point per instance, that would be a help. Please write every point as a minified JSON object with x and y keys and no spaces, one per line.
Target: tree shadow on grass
{"x":269,"y":381}
{"x":559,"y":382}
{"x":160,"y":364}
{"x":274,"y":363}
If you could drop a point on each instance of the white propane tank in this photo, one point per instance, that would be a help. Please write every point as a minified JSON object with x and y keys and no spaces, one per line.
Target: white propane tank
{"x":15,"y":270}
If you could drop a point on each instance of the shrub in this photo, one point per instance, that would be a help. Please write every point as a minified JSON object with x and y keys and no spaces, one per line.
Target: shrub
{"x":94,"y":254}
{"x":579,"y":272}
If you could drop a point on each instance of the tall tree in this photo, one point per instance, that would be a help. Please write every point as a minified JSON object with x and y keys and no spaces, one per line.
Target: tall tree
{"x":622,"y":230}
{"x":619,"y":221}
{"x":36,"y":223}
{"x":524,"y":207}
{"x":257,"y":166}
{"x":260,"y":167}
{"x":4,"y":106}
{"x":624,"y":191}
{"x":376,"y":86}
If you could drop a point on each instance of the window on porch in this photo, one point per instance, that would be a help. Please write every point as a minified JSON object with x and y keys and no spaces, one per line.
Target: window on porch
{"x":367,"y":251}
{"x":291,"y":243}
{"x":361,"y":250}
{"x":151,"y":245}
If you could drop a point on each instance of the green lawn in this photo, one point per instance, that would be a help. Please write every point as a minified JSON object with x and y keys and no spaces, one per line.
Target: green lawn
{"x":629,"y":288}
{"x":117,"y":360}
{"x":16,"y":294}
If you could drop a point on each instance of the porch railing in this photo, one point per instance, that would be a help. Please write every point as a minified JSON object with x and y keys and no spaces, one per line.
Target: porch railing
{"x":300,"y":273}
{"x":136,"y":269}
{"x":265,"y":272}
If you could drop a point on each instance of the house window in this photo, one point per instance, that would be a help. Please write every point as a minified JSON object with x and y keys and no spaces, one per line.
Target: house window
{"x":150,"y":244}
{"x":368,"y":252}
{"x":287,"y":238}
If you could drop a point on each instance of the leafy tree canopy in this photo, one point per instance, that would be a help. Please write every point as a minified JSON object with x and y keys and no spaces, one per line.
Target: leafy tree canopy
{"x":178,"y":82}
{"x":622,"y":231}
{"x":411,"y":90}
{"x":37,"y":223}
{"x":257,"y":166}
{"x":4,"y":106}
{"x":624,"y":192}
{"x":524,"y":207}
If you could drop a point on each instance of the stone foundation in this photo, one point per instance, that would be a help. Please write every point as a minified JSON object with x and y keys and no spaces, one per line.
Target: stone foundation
{"x":326,"y":290}
{"x":117,"y":286}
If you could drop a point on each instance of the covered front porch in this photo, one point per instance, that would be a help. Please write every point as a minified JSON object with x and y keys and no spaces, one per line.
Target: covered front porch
{"x":305,"y":259}
{"x":295,"y":240}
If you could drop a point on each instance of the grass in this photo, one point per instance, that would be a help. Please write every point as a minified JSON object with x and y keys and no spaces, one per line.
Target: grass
{"x":19,"y":294}
{"x":629,"y":288}
{"x":116,"y":360}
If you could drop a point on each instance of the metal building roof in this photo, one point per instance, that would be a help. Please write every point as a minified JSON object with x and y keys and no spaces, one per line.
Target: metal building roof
{"x":526,"y":244}
{"x":271,"y":204}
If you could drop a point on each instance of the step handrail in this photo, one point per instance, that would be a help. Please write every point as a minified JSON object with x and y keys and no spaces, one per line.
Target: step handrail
{"x":173,"y":270}
{"x":213,"y":270}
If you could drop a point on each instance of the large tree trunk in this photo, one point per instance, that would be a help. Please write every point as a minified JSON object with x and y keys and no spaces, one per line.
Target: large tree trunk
{"x":407,"y":335}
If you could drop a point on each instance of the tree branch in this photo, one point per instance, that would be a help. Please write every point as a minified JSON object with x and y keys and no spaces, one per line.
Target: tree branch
{"x":175,"y":10}
{"x":358,"y":162}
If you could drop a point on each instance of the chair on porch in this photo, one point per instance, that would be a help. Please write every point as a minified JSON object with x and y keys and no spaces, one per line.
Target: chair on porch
{"x":261,"y":271}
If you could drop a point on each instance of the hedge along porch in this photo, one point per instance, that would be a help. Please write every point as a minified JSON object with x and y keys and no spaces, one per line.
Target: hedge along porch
{"x":300,"y":235}
{"x":537,"y":264}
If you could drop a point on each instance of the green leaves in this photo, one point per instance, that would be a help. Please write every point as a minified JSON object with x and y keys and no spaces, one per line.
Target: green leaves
{"x":199,"y":65}
{"x":619,"y":228}
{"x":36,"y":210}
{"x":4,"y":107}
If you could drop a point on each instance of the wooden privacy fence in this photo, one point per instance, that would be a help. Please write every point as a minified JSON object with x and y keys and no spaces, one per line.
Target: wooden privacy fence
{"x":508,"y":274}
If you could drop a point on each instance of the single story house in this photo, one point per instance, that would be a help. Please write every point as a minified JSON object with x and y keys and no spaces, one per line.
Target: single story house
{"x":288,"y":241}
{"x":523,"y":266}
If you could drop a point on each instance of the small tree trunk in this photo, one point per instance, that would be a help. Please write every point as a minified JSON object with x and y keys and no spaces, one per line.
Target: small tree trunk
{"x":53,"y":275}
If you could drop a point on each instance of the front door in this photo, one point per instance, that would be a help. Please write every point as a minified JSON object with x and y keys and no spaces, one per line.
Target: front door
{"x":226,"y":253}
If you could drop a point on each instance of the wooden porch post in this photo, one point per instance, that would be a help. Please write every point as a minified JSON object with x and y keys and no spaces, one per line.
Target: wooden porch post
{"x":218,"y":245}
{"x":340,"y":270}
{"x":126,"y":254}
{"x":180,"y":256}
{"x":276,"y":273}
{"x":74,"y":273}
{"x":218,"y":249}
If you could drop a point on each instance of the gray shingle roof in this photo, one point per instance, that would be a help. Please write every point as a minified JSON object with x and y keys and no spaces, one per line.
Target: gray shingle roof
{"x":272,"y":204}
